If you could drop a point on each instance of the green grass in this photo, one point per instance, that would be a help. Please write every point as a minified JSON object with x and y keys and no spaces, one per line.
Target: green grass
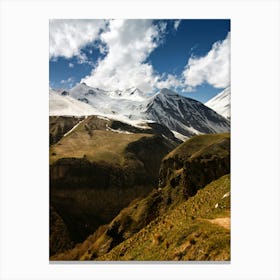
{"x":184,"y":233}
{"x":194,"y":146}
{"x":99,"y":145}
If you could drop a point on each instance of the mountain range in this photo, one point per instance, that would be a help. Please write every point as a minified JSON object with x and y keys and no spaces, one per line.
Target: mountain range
{"x":135,"y":176}
{"x":185,"y":116}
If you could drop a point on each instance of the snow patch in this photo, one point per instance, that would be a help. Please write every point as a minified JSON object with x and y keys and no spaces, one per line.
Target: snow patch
{"x":118,"y":130}
{"x":180,"y":136}
{"x":103,"y":118}
{"x":73,"y":128}
{"x":225,"y":195}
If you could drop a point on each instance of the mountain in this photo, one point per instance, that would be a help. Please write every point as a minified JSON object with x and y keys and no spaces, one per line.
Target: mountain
{"x":221,"y":103}
{"x":120,"y":177}
{"x":183,"y":115}
{"x":182,"y":208}
{"x":61,"y":104}
{"x":127,"y":105}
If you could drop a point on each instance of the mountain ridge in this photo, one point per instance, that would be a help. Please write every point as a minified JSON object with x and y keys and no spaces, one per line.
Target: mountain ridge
{"x":181,"y":114}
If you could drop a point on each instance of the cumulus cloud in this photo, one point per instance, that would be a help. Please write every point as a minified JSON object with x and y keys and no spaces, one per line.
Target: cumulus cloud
{"x":171,"y":81}
{"x":67,"y":37}
{"x":176,"y":24}
{"x":213,"y":68}
{"x":128,"y":44}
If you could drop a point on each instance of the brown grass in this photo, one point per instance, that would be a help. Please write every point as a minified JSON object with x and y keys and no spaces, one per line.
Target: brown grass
{"x":102,"y":145}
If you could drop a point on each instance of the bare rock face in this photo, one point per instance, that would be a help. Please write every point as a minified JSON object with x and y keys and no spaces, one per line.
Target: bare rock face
{"x":193,"y":165}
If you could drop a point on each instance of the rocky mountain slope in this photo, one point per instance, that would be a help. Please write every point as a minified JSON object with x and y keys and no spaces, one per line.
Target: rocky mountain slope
{"x":184,"y":173}
{"x":184,"y":115}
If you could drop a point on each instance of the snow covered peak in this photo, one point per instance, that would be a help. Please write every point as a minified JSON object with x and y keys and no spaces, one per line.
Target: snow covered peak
{"x":133,"y":94}
{"x":79,"y":91}
{"x":64,"y":105}
{"x":83,"y":91}
{"x":221,"y":103}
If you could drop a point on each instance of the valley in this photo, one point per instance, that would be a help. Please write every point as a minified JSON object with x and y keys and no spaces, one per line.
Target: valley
{"x":124,"y":187}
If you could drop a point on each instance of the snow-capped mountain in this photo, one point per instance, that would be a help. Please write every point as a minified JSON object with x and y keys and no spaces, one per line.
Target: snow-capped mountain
{"x":183,"y":115}
{"x":221,"y":103}
{"x":63,"y":105}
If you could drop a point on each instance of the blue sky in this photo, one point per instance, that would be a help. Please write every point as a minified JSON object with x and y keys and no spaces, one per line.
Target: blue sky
{"x":189,"y":56}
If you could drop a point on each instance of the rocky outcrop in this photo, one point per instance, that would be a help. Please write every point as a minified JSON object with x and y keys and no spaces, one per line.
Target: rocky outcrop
{"x":207,"y":161}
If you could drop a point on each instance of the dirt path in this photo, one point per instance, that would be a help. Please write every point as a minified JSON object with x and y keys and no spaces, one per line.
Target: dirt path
{"x":223,"y":222}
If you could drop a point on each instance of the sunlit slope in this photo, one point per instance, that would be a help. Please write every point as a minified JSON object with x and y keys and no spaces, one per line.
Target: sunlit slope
{"x":195,"y":230}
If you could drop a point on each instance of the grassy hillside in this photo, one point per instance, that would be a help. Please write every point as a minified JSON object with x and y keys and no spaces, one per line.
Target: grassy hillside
{"x":99,"y":167}
{"x":191,"y":231}
{"x":93,"y":139}
{"x":181,"y":177}
{"x":196,"y":145}
{"x":59,"y":125}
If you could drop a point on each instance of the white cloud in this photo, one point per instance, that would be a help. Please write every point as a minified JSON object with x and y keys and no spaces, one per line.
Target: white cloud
{"x":176,"y":24}
{"x":67,"y":37}
{"x":128,"y":44}
{"x":189,"y":89}
{"x":170,"y":82}
{"x":213,"y":68}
